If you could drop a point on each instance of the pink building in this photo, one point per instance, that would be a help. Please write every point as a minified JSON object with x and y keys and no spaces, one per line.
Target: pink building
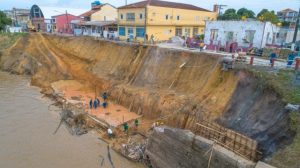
{"x":61,"y":23}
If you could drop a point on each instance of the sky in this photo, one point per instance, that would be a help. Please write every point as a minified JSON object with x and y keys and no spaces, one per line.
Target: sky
{"x":255,"y":5}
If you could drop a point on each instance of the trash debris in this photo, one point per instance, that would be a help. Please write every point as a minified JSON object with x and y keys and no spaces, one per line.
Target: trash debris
{"x":292,"y":107}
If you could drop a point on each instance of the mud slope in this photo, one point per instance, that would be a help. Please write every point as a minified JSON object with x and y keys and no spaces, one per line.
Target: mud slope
{"x":180,"y":87}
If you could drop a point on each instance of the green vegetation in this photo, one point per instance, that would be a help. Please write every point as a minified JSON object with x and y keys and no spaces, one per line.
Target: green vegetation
{"x":4,"y":21}
{"x":8,"y":39}
{"x":266,"y":15}
{"x":244,"y":13}
{"x":282,"y":82}
{"x":232,"y":14}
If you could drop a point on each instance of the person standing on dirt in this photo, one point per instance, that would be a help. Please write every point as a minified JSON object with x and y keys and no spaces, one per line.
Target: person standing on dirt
{"x":91,"y":103}
{"x":95,"y":103}
{"x":136,"y":123}
{"x":104,"y":96}
{"x":125,"y":126}
{"x":104,"y":104}
{"x":110,"y":133}
{"x":98,"y":102}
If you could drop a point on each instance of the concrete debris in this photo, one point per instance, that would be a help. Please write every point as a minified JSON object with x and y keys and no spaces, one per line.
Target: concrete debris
{"x":134,"y":150}
{"x":263,"y":165}
{"x":292,"y":107}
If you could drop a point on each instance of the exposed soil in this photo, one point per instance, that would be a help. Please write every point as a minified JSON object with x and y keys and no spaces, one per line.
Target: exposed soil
{"x":152,"y":82}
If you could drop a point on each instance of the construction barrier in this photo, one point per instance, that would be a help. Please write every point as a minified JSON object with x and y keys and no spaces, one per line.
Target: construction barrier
{"x":297,"y":64}
{"x":251,"y":60}
{"x":229,"y":139}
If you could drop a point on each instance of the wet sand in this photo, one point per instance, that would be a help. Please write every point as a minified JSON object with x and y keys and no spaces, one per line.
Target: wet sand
{"x":27,"y":123}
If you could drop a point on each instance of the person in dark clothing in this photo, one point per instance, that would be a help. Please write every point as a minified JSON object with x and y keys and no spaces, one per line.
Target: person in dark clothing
{"x":95,"y":104}
{"x":98,"y":102}
{"x":91,"y":103}
{"x":104,"y":96}
{"x":104,"y":104}
{"x":125,"y":126}
{"x":273,"y":56}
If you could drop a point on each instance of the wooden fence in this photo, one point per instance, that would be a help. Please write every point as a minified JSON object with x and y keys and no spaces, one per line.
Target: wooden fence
{"x":231,"y":140}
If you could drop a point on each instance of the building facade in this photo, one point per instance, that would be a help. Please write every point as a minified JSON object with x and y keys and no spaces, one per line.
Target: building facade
{"x":287,"y":15}
{"x":161,"y":20}
{"x":100,"y":21}
{"x":62,"y":23}
{"x":234,"y":35}
{"x":19,"y":17}
{"x":37,"y":19}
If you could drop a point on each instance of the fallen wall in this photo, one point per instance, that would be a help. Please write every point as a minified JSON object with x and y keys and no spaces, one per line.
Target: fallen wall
{"x":169,"y":148}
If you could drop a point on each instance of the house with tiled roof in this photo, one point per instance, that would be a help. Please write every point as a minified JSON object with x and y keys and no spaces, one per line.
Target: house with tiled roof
{"x":287,"y":15}
{"x":157,"y":20}
{"x":100,"y":21}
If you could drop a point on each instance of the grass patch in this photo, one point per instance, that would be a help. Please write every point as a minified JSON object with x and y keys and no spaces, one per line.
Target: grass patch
{"x":283,"y":82}
{"x":8,"y":39}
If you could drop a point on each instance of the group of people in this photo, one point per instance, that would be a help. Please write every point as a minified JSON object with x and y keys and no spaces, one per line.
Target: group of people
{"x":125,"y":128}
{"x":96,"y":102}
{"x":290,"y":59}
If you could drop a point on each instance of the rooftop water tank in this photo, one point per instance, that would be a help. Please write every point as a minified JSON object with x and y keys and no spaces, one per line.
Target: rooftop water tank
{"x":96,"y":3}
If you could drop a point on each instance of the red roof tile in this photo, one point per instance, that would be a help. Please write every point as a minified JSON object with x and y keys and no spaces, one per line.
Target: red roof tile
{"x":159,"y":3}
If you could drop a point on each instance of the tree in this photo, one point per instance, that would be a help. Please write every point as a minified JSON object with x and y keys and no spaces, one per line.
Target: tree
{"x":245,"y":13}
{"x":229,"y":14}
{"x":267,"y":16}
{"x":4,"y":20}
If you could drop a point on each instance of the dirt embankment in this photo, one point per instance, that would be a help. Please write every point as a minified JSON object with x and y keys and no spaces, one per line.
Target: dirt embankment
{"x":175,"y":86}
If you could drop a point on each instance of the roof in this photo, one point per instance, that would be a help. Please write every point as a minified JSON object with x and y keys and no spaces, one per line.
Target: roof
{"x":94,"y":10}
{"x":159,"y":3}
{"x":288,"y":10}
{"x":55,"y":16}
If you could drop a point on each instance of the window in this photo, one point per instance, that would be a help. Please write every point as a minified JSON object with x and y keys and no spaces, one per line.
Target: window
{"x":178,"y":17}
{"x":130,"y":16}
{"x":167,"y":17}
{"x":140,"y":32}
{"x":195,"y":31}
{"x":249,"y":36}
{"x":187,"y":32}
{"x":229,"y":36}
{"x":178,"y":31}
{"x":121,"y":16}
{"x":130,"y":31}
{"x":104,"y":18}
{"x":214,"y":34}
{"x":122,"y":31}
{"x":197,"y":18}
{"x":141,"y":16}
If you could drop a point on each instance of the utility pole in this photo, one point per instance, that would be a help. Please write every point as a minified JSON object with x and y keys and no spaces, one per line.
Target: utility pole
{"x":220,"y":8}
{"x":67,"y":21}
{"x":125,"y":2}
{"x":296,"y":31}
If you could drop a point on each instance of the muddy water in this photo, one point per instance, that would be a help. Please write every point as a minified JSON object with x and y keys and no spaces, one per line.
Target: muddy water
{"x":27,"y":123}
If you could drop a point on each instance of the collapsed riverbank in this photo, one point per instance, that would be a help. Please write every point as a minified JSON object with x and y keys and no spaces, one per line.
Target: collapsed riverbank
{"x":150,"y":81}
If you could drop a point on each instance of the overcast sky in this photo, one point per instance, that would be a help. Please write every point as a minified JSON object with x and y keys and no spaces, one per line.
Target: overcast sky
{"x":255,"y":5}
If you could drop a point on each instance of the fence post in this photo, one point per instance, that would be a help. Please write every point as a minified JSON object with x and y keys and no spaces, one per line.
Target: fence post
{"x":297,"y":63}
{"x":251,"y":60}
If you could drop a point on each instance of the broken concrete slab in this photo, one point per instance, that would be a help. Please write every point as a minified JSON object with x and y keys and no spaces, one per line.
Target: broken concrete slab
{"x":169,"y":147}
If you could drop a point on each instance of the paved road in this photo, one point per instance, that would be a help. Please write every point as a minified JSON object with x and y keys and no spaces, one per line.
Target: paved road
{"x":258,"y":61}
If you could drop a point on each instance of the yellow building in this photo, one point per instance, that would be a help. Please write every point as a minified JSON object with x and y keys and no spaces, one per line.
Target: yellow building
{"x":162,"y":20}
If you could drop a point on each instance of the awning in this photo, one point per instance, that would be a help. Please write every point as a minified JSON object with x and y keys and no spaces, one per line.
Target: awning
{"x":98,"y":23}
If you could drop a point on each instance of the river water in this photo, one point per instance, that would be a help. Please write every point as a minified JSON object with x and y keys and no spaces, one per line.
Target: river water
{"x":27,"y":123}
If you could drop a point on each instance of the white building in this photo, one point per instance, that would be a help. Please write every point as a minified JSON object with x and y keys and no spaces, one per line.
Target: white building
{"x":233,"y":35}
